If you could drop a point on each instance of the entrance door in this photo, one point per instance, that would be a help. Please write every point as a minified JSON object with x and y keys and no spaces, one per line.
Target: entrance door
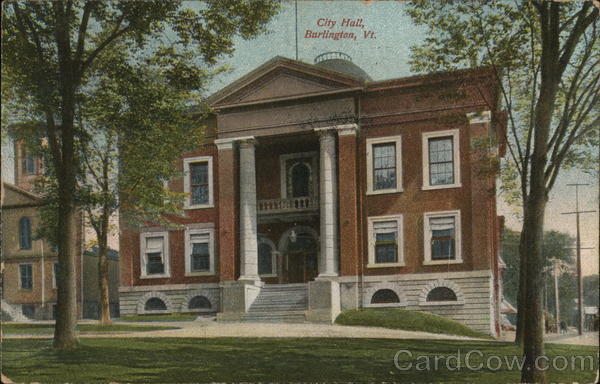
{"x":302,"y":258}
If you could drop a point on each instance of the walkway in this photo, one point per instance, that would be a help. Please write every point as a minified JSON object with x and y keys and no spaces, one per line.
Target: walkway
{"x":211,"y":328}
{"x":572,"y":338}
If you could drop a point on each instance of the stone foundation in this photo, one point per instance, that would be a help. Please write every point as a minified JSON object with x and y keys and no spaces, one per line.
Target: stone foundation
{"x":132,"y":300}
{"x":473,"y":289}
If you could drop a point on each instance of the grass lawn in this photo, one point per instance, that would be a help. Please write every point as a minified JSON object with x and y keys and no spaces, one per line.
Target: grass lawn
{"x":406,"y":320}
{"x":25,"y":328}
{"x":167,"y":360}
{"x":166,"y":317}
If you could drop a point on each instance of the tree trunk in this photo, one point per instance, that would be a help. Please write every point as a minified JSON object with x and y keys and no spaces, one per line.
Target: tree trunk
{"x":103,"y":283}
{"x":534,"y":307}
{"x":65,"y":334}
{"x":521,"y":298}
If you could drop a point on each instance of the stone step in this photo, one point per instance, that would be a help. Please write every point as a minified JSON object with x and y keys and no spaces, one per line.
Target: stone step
{"x":277,"y":309}
{"x":279,"y":303}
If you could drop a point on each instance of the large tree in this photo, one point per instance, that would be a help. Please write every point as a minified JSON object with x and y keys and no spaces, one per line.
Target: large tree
{"x":137,"y":123}
{"x":544,"y":53}
{"x":51,"y":47}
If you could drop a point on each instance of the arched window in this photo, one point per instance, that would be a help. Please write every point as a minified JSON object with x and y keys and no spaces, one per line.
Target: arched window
{"x":441,"y":294}
{"x":265,"y":258}
{"x":155,"y":304}
{"x":385,"y":296}
{"x":300,"y":180}
{"x":199,"y":302}
{"x":25,"y":232}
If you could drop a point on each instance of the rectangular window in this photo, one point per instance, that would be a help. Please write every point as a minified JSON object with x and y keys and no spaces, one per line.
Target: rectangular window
{"x":55,"y":271}
{"x":198,"y":182}
{"x":441,"y":168}
{"x":442,"y":237}
{"x":26,"y":274}
{"x":384,"y":166}
{"x":384,"y":160}
{"x":155,"y":254}
{"x":443,"y":232}
{"x":29,"y":163}
{"x":200,"y":256}
{"x":199,"y":250}
{"x":385,"y":241}
{"x":441,"y":161}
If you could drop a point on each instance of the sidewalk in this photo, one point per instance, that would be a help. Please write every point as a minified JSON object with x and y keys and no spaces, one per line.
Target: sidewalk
{"x":210,"y":328}
{"x":571,"y":338}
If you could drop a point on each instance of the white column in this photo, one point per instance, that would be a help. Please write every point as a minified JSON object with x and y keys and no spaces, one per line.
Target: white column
{"x":328,"y":262}
{"x":248,"y":222}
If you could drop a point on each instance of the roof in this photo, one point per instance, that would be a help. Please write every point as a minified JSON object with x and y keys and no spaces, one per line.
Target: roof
{"x":342,"y":79}
{"x":339,"y":74}
{"x":28,"y":198}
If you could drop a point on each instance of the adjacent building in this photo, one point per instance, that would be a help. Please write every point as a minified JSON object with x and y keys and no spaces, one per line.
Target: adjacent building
{"x":319,"y":190}
{"x":29,"y":263}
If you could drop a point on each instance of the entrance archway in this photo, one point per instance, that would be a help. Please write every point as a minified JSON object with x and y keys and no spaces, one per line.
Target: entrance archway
{"x":300,"y":249}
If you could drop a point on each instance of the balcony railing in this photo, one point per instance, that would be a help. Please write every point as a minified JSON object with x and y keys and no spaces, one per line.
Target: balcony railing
{"x":294,"y":204}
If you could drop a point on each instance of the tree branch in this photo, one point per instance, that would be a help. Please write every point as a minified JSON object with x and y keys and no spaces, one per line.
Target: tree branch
{"x":87,"y":9}
{"x":583,"y":21}
{"x":113,"y":36}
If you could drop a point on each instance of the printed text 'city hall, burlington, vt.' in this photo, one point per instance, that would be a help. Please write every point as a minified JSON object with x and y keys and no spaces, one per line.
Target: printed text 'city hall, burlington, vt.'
{"x":327,"y":29}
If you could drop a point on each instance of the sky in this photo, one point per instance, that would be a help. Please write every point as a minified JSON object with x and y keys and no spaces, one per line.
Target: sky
{"x":383,"y":57}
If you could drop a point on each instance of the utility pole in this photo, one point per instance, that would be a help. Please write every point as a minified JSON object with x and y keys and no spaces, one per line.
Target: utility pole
{"x":578,"y":247}
{"x":556,"y":300}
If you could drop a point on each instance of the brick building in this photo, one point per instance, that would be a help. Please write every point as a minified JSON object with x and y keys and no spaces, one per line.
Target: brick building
{"x":319,"y":190}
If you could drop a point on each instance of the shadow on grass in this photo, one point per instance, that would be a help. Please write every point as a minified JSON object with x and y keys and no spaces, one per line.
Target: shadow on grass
{"x":168,"y":360}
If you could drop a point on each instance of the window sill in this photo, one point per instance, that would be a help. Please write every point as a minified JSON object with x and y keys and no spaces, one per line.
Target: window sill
{"x":191,"y":274}
{"x":441,"y":303}
{"x":201,"y":206}
{"x":155,"y":276}
{"x":268,"y":275}
{"x":443,"y":186}
{"x":442,"y":262}
{"x":384,"y":191}
{"x":385,"y":265}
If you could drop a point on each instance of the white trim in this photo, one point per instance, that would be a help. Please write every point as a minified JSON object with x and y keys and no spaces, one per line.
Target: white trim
{"x":265,"y":240}
{"x":167,"y":271}
{"x":347,"y":129}
{"x":479,"y":274}
{"x":460,"y":297}
{"x":397,"y":140}
{"x":427,"y":238}
{"x":186,"y":181}
{"x":188,"y":251}
{"x":371,"y":290}
{"x":313,"y":155}
{"x":399,"y":238}
{"x":141,"y":306}
{"x":168,"y":287}
{"x":456,"y":158}
{"x":479,"y":117}
{"x":208,"y":294}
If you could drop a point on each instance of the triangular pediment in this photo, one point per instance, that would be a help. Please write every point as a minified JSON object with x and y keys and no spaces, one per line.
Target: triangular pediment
{"x":282,"y":78}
